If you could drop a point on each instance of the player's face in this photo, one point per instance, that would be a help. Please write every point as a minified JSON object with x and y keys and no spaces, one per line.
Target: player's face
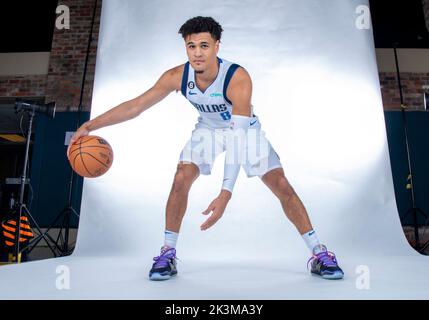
{"x":202,"y":50}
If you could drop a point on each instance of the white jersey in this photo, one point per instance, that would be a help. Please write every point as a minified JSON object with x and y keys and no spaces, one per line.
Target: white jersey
{"x":213,"y":105}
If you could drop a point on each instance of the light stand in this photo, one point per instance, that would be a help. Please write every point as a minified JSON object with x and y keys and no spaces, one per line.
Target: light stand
{"x":22,"y":209}
{"x":413,"y":210}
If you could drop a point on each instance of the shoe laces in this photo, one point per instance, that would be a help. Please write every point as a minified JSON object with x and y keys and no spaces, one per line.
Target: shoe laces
{"x":166,"y":255}
{"x":327,"y":258}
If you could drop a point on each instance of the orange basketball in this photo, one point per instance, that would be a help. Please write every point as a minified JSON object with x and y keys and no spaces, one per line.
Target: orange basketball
{"x":90,"y":156}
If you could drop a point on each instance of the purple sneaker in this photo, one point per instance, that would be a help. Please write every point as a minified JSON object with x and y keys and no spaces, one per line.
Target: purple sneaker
{"x":164,"y":266}
{"x":324,"y":264}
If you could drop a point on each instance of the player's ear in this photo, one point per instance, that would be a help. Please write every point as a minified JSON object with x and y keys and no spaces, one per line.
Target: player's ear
{"x":217,"y":45}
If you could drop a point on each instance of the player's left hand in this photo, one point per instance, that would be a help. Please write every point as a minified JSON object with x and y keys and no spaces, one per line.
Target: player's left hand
{"x":217,"y":206}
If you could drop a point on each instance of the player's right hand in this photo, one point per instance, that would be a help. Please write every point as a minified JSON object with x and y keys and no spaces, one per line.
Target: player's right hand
{"x":81,"y":132}
{"x":217,"y":206}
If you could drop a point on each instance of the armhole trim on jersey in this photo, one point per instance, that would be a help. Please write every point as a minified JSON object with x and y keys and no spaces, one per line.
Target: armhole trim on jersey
{"x":185,"y":78}
{"x":228,"y":77}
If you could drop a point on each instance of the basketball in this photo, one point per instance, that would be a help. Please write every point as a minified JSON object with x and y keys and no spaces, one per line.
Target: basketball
{"x":90,"y":156}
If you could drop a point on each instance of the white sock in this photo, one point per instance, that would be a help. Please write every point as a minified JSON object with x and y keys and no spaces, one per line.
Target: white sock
{"x":311,"y":240}
{"x":170,"y":238}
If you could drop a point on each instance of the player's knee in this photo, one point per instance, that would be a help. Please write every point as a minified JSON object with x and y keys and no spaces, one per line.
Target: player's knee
{"x":284,"y":188}
{"x":180,"y":182}
{"x":183,"y":178}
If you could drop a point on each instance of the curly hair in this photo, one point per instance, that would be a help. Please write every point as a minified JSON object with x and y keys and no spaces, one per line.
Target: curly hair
{"x":201,"y":24}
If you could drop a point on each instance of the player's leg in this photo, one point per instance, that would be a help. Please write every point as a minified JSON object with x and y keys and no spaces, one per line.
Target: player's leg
{"x":196,"y":158}
{"x":269,"y":168}
{"x":164,"y":266}
{"x":323,"y":262}
{"x":291,"y":203}
{"x":177,"y":202}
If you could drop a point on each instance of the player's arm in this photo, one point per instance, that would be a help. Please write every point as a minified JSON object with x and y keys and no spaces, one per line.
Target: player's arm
{"x":168,"y":82}
{"x":239,"y":93}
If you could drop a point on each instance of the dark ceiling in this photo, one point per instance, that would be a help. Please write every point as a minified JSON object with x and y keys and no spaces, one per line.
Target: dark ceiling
{"x":28,"y":25}
{"x":399,"y":21}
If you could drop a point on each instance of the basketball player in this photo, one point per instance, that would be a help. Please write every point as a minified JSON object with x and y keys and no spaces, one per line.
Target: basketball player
{"x":221,"y":92}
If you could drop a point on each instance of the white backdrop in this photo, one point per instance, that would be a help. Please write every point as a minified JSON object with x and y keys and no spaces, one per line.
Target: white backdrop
{"x":316,"y":92}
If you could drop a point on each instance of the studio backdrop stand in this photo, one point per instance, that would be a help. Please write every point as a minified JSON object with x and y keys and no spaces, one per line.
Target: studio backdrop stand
{"x":414,"y":211}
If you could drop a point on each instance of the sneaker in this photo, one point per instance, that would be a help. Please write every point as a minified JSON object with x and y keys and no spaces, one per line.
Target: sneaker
{"x":324,"y":264}
{"x":164,"y":266}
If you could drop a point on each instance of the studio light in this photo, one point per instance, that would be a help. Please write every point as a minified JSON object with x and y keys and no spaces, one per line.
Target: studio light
{"x":46,"y":109}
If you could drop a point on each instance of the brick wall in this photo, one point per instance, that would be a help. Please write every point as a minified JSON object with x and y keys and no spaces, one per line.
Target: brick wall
{"x":63,"y":81}
{"x":68,"y":57}
{"x":412,"y":86}
{"x":23,"y":86}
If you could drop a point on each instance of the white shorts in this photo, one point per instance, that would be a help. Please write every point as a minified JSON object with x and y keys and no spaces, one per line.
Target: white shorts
{"x":206,"y":144}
